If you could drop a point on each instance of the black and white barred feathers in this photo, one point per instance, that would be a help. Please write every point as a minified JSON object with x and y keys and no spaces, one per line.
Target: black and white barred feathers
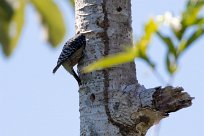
{"x":71,"y":54}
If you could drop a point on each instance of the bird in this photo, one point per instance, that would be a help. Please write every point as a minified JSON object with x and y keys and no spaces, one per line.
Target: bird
{"x":71,"y":54}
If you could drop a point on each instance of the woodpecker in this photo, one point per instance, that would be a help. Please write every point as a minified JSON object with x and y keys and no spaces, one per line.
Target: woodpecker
{"x":71,"y":54}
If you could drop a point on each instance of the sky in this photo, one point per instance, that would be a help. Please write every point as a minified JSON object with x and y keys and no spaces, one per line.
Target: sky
{"x":34,"y":102}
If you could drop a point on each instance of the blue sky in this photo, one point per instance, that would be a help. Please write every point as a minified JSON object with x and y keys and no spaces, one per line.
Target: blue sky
{"x":34,"y":102}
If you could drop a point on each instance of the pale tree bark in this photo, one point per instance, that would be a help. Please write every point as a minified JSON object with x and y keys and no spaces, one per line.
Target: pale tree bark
{"x":112,"y":102}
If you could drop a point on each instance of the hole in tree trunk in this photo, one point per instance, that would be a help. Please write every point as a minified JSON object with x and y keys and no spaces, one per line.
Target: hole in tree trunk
{"x":92,"y":97}
{"x":119,"y":9}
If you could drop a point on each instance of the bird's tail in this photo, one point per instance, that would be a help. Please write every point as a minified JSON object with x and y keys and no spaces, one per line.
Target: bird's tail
{"x":55,"y":69}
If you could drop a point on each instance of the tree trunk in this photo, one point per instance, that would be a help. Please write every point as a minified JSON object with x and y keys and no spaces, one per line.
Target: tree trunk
{"x":112,"y":102}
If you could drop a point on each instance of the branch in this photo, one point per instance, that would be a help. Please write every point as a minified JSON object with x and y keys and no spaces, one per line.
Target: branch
{"x":171,"y":99}
{"x":137,"y":111}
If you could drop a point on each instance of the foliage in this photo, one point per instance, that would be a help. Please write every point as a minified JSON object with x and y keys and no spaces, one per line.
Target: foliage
{"x":138,"y":50}
{"x":72,"y":2}
{"x":189,"y":22}
{"x":52,"y":19}
{"x":185,"y":30}
{"x":12,"y":21}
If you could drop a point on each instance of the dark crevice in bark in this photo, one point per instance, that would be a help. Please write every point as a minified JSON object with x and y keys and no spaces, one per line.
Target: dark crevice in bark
{"x":104,"y":35}
{"x":124,"y":130}
{"x":155,"y":103}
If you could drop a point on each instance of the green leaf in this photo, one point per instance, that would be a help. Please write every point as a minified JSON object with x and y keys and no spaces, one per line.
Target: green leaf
{"x":139,"y":50}
{"x":72,"y":2}
{"x":169,"y":42}
{"x":52,"y":18}
{"x":6,"y":11}
{"x":182,"y":46}
{"x":199,"y":21}
{"x":190,"y":15}
{"x":150,"y":28}
{"x":170,"y":64}
{"x":112,"y":60}
{"x":193,"y":37}
{"x":11,"y":29}
{"x":179,"y":33}
{"x":142,"y":44}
